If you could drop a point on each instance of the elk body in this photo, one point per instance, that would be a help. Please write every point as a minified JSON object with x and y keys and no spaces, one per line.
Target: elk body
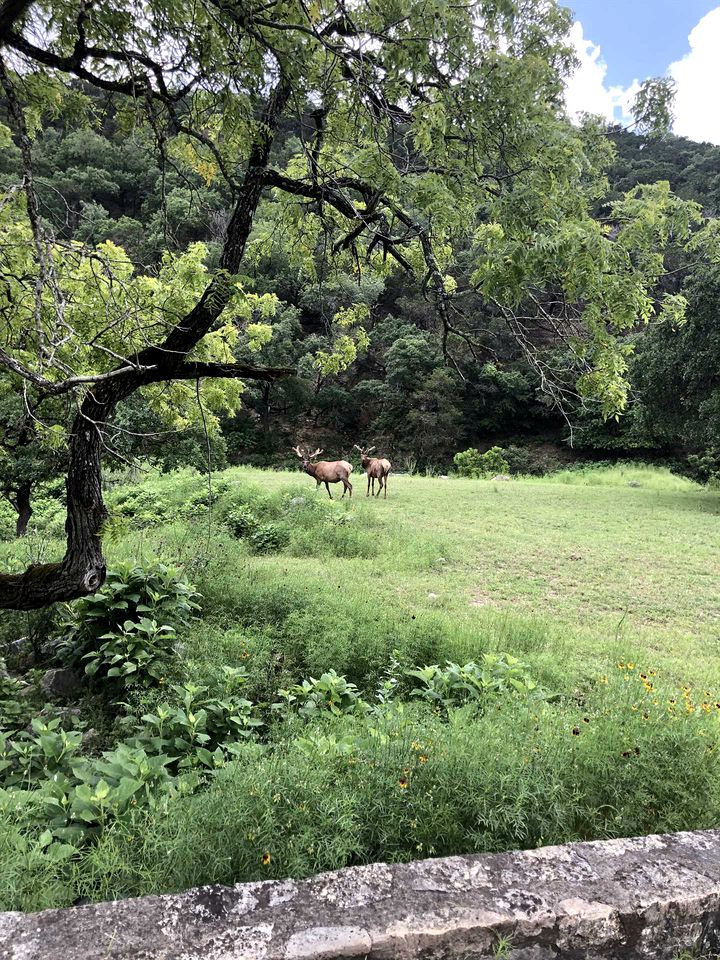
{"x":326,"y":471}
{"x":376,"y":468}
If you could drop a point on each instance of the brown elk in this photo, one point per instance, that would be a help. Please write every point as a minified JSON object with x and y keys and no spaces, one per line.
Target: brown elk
{"x":326,"y":471}
{"x":377,"y":468}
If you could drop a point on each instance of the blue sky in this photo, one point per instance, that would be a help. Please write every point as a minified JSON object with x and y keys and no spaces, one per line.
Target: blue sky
{"x":622,"y":42}
{"x":639,"y":38}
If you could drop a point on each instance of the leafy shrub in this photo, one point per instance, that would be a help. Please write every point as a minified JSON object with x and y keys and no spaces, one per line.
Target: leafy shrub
{"x":33,"y":757}
{"x":268,"y":538}
{"x":97,"y":792}
{"x":12,"y":711}
{"x":122,"y":617}
{"x":143,"y":507}
{"x":241,"y":520}
{"x":135,"y":651}
{"x":196,"y":728}
{"x":331,"y":694}
{"x":8,"y":519}
{"x":198,"y":502}
{"x":454,"y":685}
{"x":531,"y":461}
{"x":472,"y":463}
{"x":704,"y":467}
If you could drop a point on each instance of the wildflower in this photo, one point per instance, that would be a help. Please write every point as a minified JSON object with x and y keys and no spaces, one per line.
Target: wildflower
{"x":423,"y":758}
{"x":415,"y":745}
{"x":643,"y":676}
{"x":672,"y":701}
{"x":403,"y":782}
{"x":576,"y":731}
{"x":634,"y":707}
{"x":266,"y":858}
{"x":603,"y":679}
{"x":631,"y":666}
{"x":646,"y":716}
{"x":586,"y":719}
{"x":626,"y":754}
{"x":621,"y":665}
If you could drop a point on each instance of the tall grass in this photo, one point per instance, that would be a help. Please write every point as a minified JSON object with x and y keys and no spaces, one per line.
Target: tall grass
{"x":621,"y":474}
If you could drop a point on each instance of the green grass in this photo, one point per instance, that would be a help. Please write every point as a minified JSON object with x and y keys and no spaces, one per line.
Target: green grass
{"x":570,"y":572}
{"x":571,"y":577}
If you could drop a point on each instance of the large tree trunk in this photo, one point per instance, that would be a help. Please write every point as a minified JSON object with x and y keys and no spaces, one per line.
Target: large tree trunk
{"x":24,"y":509}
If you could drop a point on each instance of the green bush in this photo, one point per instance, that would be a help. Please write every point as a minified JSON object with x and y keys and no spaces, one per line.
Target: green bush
{"x":12,"y":711}
{"x":531,"y":461}
{"x":477,"y":683}
{"x":268,"y":538}
{"x":135,"y":652}
{"x":144,"y":508}
{"x":115,"y":631}
{"x":241,"y":521}
{"x":330,"y":694}
{"x":408,"y":784}
{"x":472,"y":463}
{"x":196,"y":729}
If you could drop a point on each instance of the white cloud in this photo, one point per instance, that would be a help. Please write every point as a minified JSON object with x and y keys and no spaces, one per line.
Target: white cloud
{"x":697,"y":75}
{"x":586,"y":92}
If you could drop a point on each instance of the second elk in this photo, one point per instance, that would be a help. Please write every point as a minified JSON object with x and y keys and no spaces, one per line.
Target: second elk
{"x":325,"y":471}
{"x":377,"y":468}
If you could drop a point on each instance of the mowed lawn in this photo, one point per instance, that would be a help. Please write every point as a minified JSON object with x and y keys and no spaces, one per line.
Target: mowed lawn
{"x":573,"y":574}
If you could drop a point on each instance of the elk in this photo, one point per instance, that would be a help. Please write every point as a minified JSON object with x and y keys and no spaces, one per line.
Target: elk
{"x":326,"y":471}
{"x":377,"y":468}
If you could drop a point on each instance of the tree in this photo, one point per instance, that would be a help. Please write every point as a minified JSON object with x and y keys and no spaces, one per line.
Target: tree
{"x":424,"y":127}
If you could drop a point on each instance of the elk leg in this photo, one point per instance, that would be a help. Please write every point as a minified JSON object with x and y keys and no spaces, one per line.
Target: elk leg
{"x":380,"y":486}
{"x":328,"y":490}
{"x":368,"y":490}
{"x":349,"y":486}
{"x":385,"y":497}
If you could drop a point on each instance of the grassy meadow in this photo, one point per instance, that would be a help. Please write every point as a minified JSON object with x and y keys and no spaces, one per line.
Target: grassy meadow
{"x":602,"y":583}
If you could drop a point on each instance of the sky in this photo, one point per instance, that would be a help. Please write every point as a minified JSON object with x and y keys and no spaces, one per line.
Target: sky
{"x":620,"y":43}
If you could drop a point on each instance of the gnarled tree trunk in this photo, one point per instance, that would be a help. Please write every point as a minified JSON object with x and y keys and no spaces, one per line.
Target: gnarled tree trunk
{"x":24,"y":508}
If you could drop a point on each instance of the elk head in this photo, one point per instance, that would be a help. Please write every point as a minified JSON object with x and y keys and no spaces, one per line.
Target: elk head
{"x":364,"y":454}
{"x":305,"y":457}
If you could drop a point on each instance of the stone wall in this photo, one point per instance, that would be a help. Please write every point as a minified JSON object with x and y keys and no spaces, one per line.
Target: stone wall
{"x":648,"y":897}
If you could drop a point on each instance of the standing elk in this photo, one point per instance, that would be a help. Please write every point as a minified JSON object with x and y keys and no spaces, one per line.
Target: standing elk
{"x":377,"y":468}
{"x":326,"y":471}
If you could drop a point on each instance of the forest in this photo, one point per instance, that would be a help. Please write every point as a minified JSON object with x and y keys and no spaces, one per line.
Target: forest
{"x":232,"y":234}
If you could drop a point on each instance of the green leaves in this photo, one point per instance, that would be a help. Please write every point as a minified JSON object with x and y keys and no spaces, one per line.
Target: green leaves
{"x":119,"y":632}
{"x":474,"y":683}
{"x":330,"y":694}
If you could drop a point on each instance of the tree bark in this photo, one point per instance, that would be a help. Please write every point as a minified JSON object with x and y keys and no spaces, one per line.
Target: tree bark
{"x":24,"y":509}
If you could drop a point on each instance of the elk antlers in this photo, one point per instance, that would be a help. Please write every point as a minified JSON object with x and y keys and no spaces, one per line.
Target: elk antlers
{"x":363,"y":452}
{"x":303,"y":455}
